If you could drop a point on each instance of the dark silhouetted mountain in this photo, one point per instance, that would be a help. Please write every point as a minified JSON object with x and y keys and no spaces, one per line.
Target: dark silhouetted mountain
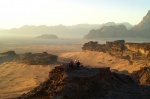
{"x":108,"y":31}
{"x":111,"y":30}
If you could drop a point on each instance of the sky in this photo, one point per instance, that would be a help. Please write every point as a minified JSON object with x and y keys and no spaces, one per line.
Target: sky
{"x":16,"y":13}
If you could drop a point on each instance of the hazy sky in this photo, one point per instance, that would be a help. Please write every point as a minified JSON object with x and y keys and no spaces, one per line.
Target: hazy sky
{"x":15,"y":13}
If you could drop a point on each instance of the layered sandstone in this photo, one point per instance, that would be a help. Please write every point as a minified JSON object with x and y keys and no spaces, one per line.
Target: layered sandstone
{"x":129,"y":51}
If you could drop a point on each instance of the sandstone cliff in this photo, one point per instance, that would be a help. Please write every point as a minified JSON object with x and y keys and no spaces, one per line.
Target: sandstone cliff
{"x":129,"y":51}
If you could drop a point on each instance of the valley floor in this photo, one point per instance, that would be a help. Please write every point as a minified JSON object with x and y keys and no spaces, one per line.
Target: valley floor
{"x":17,"y":78}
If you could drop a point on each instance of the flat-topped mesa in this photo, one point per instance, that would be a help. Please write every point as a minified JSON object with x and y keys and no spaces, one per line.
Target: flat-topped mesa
{"x":69,"y":83}
{"x":93,"y":46}
{"x":8,"y":53}
{"x":119,"y":48}
{"x":38,"y":58}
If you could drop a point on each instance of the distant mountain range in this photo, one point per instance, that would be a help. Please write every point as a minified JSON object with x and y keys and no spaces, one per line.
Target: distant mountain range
{"x":142,"y":30}
{"x":88,"y":31}
{"x":74,"y":31}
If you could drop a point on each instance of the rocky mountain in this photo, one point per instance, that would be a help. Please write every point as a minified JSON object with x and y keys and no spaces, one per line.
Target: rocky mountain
{"x":128,"y":25}
{"x":142,"y":30}
{"x":74,"y":31}
{"x":108,"y":31}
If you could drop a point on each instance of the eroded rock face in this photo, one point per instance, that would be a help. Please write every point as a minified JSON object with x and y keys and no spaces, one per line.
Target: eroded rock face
{"x":87,"y":83}
{"x":129,"y":51}
{"x":38,"y":58}
{"x":142,"y":76}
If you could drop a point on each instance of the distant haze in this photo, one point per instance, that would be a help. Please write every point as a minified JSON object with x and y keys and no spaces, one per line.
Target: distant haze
{"x":61,"y":31}
{"x":16,"y":13}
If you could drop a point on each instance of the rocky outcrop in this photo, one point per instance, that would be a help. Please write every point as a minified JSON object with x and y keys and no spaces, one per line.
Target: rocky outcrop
{"x":8,"y":56}
{"x":29,"y":58}
{"x":87,"y":83}
{"x":129,"y":51}
{"x":142,"y":76}
{"x":37,"y":58}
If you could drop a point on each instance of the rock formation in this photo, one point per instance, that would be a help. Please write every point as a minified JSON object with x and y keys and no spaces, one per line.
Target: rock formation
{"x":47,"y":36}
{"x":129,"y":51}
{"x":108,"y":31}
{"x":8,"y":56}
{"x":29,"y":58}
{"x":87,"y":83}
{"x":37,"y":58}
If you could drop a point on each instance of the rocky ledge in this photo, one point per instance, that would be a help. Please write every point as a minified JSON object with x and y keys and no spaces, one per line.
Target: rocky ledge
{"x":129,"y":51}
{"x":87,"y":83}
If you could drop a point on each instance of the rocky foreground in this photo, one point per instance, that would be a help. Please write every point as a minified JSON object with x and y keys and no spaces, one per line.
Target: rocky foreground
{"x":88,"y":83}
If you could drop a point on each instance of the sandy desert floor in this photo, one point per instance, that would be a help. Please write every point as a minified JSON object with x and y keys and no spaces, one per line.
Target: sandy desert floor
{"x":17,"y":78}
{"x":100,"y":59}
